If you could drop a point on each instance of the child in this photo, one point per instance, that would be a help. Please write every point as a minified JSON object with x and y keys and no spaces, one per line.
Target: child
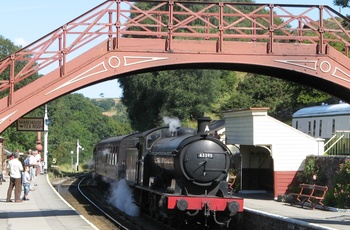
{"x":26,"y":182}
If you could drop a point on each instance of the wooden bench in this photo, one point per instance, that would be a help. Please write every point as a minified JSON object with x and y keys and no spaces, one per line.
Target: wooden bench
{"x":311,"y":193}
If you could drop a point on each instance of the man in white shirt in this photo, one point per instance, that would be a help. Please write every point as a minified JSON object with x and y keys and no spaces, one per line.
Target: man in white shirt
{"x":38,"y":162}
{"x":32,"y":170}
{"x":16,"y":168}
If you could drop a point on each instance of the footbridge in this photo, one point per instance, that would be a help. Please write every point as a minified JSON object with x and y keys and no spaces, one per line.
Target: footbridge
{"x":307,"y":44}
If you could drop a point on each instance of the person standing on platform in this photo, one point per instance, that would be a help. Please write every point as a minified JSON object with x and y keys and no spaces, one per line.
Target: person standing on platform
{"x":27,"y":159}
{"x":38,"y":163}
{"x":16,"y":168}
{"x":32,"y":170}
{"x":26,"y":182}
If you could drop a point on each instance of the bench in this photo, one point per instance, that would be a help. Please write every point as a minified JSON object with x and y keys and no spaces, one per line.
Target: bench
{"x":311,"y":193}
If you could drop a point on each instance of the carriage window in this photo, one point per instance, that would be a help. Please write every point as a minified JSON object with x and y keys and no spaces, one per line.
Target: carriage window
{"x":333,"y":126}
{"x":116,"y":156}
{"x":320,"y":130}
{"x":314,"y":129}
{"x":309,"y":131}
{"x":296,"y":124}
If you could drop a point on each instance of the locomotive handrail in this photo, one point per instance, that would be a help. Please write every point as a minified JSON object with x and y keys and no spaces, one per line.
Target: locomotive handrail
{"x":171,"y":20}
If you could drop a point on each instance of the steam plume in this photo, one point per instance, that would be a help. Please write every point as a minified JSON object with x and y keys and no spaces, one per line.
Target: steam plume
{"x":173,"y":122}
{"x":121,"y":198}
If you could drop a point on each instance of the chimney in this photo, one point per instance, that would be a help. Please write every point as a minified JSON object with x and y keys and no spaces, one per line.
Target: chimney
{"x":203,"y":126}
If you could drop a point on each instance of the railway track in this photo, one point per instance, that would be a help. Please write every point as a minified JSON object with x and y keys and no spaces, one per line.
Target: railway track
{"x":82,"y":194}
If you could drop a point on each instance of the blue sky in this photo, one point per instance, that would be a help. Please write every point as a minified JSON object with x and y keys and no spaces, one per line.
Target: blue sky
{"x":23,"y":22}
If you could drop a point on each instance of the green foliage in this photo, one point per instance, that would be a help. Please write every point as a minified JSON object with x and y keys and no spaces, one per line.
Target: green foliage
{"x":339,"y":195}
{"x":72,"y":117}
{"x":105,"y":104}
{"x":310,"y":172}
{"x":7,"y":48}
{"x":185,"y":94}
{"x":342,"y":186}
{"x":342,"y":3}
{"x":282,"y":98}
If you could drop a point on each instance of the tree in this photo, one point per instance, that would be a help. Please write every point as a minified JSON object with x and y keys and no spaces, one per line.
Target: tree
{"x":105,"y":104}
{"x":282,"y":98}
{"x":185,"y":94}
{"x":342,"y":3}
{"x":72,"y":117}
{"x":7,"y":48}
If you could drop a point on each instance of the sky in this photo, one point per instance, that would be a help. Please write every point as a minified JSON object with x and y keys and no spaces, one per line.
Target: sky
{"x":23,"y":22}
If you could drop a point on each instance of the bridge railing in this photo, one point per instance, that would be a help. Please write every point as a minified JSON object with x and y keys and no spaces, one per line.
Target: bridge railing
{"x":174,"y":20}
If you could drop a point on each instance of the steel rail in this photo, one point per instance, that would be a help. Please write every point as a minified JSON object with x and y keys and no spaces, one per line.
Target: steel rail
{"x":120,"y":225}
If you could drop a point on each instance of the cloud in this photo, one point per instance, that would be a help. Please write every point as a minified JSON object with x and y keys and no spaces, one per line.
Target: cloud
{"x":20,"y":42}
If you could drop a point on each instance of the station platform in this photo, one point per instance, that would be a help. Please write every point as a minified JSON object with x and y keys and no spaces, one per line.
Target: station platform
{"x":264,"y":204}
{"x":46,"y":209}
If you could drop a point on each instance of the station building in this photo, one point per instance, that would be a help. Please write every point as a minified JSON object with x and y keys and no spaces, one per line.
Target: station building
{"x":272,"y":152}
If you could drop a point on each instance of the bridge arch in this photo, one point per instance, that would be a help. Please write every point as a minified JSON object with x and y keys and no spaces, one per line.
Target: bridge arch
{"x":307,"y":59}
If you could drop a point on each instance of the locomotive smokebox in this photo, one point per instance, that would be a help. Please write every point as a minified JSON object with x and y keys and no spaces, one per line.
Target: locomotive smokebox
{"x":203,"y":125}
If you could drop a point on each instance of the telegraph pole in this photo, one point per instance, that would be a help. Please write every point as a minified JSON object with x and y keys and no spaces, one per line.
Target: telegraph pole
{"x":46,"y":134}
{"x":78,"y":147}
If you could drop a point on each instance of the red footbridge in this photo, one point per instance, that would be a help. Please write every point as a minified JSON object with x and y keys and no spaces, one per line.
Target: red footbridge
{"x":307,"y":44}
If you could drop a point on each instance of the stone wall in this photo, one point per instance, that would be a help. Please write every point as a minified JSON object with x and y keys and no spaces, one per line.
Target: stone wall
{"x":328,"y":166}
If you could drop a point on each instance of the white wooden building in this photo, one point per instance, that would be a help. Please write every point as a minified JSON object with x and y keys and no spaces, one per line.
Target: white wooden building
{"x":322,"y":121}
{"x":272,"y":152}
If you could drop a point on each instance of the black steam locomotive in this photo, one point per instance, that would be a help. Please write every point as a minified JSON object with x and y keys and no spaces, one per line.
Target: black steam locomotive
{"x":178,"y":175}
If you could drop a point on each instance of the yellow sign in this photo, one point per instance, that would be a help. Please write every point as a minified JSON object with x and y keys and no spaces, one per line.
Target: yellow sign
{"x":30,"y":124}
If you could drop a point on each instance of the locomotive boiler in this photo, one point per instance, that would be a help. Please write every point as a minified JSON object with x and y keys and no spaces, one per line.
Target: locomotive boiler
{"x":176,"y":175}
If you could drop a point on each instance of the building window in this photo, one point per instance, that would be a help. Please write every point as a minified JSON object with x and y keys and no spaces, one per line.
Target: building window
{"x":309,"y":131}
{"x":314,"y":129}
{"x":320,"y":130}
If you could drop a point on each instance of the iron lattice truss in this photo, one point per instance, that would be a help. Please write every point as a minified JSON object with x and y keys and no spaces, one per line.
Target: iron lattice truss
{"x":170,"y":20}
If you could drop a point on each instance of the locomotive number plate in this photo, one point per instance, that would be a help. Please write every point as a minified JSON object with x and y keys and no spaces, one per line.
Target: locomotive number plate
{"x":205,"y":155}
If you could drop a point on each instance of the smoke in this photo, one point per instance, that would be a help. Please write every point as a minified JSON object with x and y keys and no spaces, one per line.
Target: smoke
{"x":121,"y":198}
{"x":91,"y":164}
{"x":173,"y":122}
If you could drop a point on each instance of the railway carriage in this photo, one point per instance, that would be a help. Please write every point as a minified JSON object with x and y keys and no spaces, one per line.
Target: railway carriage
{"x":323,"y":121}
{"x":176,"y":175}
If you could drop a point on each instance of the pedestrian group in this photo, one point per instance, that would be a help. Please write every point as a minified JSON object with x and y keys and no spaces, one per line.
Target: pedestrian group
{"x":23,"y":174}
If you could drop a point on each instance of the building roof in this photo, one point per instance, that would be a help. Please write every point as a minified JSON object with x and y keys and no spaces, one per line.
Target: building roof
{"x":217,"y":125}
{"x":323,"y":110}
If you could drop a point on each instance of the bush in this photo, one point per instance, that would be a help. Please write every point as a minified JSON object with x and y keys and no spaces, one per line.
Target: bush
{"x":339,"y":195}
{"x":310,"y":173}
{"x":342,"y":186}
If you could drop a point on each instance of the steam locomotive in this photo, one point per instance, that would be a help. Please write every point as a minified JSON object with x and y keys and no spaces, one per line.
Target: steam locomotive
{"x":176,"y":175}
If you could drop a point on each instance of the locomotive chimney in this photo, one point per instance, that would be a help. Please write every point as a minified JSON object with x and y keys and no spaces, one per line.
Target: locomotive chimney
{"x":203,"y":126}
